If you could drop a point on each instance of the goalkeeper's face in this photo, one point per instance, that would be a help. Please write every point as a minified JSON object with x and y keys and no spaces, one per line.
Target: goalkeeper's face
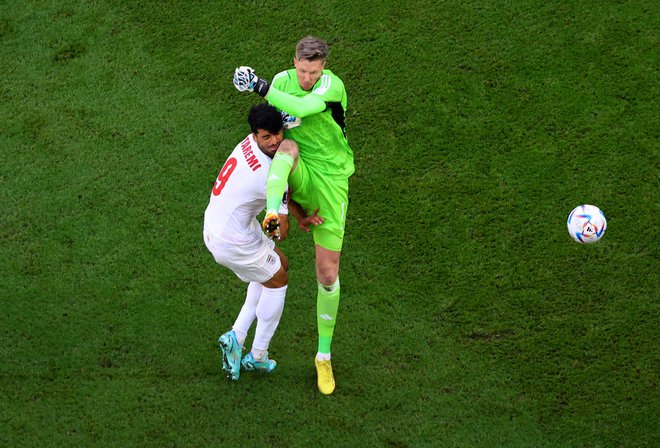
{"x":268,"y":142}
{"x":308,"y":72}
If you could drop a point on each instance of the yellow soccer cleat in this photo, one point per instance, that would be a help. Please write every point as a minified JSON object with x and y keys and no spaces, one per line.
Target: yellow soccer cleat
{"x":271,"y":225}
{"x":325,"y":379}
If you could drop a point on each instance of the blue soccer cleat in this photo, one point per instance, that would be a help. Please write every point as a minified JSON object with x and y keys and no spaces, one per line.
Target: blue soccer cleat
{"x":252,"y":365}
{"x":231,"y":355}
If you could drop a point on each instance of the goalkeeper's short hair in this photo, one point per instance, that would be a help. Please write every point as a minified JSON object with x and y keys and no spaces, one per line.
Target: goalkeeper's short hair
{"x":312,"y":48}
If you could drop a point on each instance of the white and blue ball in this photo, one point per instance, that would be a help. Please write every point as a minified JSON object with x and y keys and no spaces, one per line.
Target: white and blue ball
{"x":586,"y":224}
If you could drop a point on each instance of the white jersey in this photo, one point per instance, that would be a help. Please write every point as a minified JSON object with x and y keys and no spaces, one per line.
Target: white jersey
{"x":238,"y":196}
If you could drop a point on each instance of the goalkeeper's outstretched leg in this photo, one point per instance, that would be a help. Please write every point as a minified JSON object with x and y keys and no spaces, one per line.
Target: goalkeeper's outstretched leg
{"x":284,"y":163}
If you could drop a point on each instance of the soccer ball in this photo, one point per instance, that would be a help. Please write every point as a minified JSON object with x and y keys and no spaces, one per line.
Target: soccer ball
{"x":586,"y":224}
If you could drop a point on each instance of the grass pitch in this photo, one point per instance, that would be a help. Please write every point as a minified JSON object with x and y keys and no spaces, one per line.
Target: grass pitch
{"x":468,"y":317}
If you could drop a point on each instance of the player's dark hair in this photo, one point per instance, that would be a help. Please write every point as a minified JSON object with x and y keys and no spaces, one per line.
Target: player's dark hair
{"x":266,"y":117}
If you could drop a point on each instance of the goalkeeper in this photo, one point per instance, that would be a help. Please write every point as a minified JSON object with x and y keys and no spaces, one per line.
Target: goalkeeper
{"x":317,"y":171}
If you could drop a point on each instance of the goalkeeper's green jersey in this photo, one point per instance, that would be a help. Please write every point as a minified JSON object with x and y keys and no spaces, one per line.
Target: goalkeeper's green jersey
{"x":321,"y":136}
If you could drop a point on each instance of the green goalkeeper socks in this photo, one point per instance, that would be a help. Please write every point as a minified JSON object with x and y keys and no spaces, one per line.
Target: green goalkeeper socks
{"x":327,"y":303}
{"x":278,"y":174}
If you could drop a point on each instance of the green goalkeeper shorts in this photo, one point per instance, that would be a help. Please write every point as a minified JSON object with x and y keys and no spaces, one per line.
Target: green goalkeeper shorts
{"x":314,"y":190}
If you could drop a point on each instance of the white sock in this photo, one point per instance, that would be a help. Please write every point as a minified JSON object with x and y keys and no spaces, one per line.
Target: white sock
{"x":258,"y":355}
{"x":248,"y":312}
{"x":269,"y":311}
{"x":323,"y":356}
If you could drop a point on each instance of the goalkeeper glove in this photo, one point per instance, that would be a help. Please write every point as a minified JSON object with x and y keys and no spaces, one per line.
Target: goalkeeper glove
{"x":246,"y":81}
{"x":289,"y":121}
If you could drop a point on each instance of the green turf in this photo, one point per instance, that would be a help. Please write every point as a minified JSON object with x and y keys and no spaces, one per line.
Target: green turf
{"x":468,"y":317}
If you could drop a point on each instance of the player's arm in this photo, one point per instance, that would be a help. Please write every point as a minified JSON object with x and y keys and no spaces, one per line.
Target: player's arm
{"x":245,"y":80}
{"x":300,"y":107}
{"x":284,"y":226}
{"x":304,"y":220}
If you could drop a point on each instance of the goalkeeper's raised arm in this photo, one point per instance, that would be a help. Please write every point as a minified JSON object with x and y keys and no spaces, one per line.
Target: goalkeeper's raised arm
{"x":245,"y":80}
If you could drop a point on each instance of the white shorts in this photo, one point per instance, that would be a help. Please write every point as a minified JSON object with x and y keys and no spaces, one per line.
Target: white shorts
{"x":255,"y":263}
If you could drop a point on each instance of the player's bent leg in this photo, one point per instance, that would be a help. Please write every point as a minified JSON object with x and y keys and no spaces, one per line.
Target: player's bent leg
{"x":284,"y":163}
{"x":248,"y":312}
{"x":280,"y":279}
{"x":283,"y":258}
{"x":262,"y":262}
{"x":269,"y":311}
{"x":290,"y":147}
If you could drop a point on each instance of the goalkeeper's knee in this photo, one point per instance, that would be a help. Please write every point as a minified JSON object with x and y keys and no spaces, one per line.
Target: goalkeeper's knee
{"x":289,"y":147}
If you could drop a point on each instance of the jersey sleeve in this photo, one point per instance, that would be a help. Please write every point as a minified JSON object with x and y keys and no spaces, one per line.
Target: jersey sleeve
{"x":329,"y":89}
{"x":300,"y":107}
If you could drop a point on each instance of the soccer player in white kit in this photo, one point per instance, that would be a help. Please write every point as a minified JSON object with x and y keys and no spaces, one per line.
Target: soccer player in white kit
{"x":234,"y":237}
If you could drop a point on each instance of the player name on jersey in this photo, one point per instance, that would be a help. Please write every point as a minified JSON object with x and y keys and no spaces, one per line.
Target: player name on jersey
{"x":250,"y":158}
